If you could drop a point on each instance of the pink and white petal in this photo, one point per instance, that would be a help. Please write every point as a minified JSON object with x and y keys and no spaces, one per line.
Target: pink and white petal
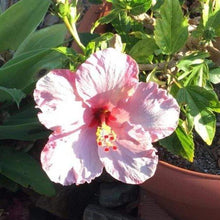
{"x":72,"y":157}
{"x":55,"y":95}
{"x":135,"y":160}
{"x":155,"y":110}
{"x":108,"y":73}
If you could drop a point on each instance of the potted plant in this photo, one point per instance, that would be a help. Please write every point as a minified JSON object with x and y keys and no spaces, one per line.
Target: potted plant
{"x":169,"y":45}
{"x":177,"y":47}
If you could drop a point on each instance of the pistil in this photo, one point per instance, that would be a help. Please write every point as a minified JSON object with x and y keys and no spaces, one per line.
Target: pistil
{"x":105,"y":135}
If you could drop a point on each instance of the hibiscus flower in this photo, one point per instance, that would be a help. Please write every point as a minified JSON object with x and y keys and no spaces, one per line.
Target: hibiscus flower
{"x":103,"y":117}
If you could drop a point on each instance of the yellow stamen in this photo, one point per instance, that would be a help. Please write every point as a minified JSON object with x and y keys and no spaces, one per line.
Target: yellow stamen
{"x":106,"y":137}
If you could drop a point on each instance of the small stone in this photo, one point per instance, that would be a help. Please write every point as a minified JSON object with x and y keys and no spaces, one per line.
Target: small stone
{"x":69,"y":201}
{"x":117,"y":194}
{"x":95,"y":212}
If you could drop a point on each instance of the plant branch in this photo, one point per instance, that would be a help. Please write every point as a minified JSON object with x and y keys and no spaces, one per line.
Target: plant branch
{"x":73,"y":31}
{"x":159,"y":66}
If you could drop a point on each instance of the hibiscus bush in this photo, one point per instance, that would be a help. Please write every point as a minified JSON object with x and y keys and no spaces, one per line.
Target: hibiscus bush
{"x":102,"y":106}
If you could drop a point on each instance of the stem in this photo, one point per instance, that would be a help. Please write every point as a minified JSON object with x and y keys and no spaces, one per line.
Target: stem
{"x":177,"y":83}
{"x":159,"y":66}
{"x":73,"y":31}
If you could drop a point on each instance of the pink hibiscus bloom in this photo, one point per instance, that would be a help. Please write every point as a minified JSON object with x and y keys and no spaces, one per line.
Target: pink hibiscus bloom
{"x":101,"y":116}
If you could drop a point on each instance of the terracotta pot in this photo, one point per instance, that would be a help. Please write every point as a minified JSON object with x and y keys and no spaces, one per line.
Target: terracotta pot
{"x":92,"y":15}
{"x":185,"y":194}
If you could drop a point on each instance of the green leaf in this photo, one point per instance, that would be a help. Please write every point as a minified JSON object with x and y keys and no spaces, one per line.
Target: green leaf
{"x":87,"y":37}
{"x":23,"y":126}
{"x":8,"y":184}
{"x":99,"y":43}
{"x":143,"y":49}
{"x":18,"y":72}
{"x":171,"y":29}
{"x":214,"y":75}
{"x":213,"y":22}
{"x":195,"y":58}
{"x":205,"y":12}
{"x":217,"y":6}
{"x":106,"y":19}
{"x":198,"y":76}
{"x":16,"y":94}
{"x":32,"y":55}
{"x":158,"y":4}
{"x":19,"y":21}
{"x":205,"y":125}
{"x":49,"y":37}
{"x":140,"y":35}
{"x":24,"y":170}
{"x":139,"y":6}
{"x":21,"y":71}
{"x":179,"y":143}
{"x":198,"y":99}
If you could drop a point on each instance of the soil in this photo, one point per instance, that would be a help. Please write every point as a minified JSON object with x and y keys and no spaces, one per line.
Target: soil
{"x":206,"y":159}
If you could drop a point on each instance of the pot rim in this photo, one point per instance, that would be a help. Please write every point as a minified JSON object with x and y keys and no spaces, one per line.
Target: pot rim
{"x":189,"y":172}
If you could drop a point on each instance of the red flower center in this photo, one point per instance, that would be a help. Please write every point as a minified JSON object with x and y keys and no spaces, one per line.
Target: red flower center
{"x":105,"y":136}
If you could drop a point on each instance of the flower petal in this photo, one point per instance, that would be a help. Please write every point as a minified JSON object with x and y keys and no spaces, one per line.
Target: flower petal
{"x":72,"y":157}
{"x":56,"y":97}
{"x":135,"y":159}
{"x":108,"y":73}
{"x":155,"y":110}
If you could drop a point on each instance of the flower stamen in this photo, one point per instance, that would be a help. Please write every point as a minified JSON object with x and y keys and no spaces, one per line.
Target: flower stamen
{"x":106,"y":137}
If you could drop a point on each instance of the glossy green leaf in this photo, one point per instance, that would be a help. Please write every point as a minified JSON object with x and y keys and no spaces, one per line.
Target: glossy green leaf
{"x":99,"y":43}
{"x":139,"y":6}
{"x":179,"y":143}
{"x":198,"y":99}
{"x":195,"y":58}
{"x":158,"y":4}
{"x":18,"y":72}
{"x":198,"y":75}
{"x":214,"y":75}
{"x":24,"y":170}
{"x":23,"y":126}
{"x":205,"y":125}
{"x":16,"y":94}
{"x":205,"y":12}
{"x":32,"y":55}
{"x":8,"y":184}
{"x":213,"y":22}
{"x":21,"y":71}
{"x":200,"y":103}
{"x":19,"y":21}
{"x":217,"y":5}
{"x":143,"y":49}
{"x":49,"y":37}
{"x":27,"y":131}
{"x":171,"y":29}
{"x":106,"y":19}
